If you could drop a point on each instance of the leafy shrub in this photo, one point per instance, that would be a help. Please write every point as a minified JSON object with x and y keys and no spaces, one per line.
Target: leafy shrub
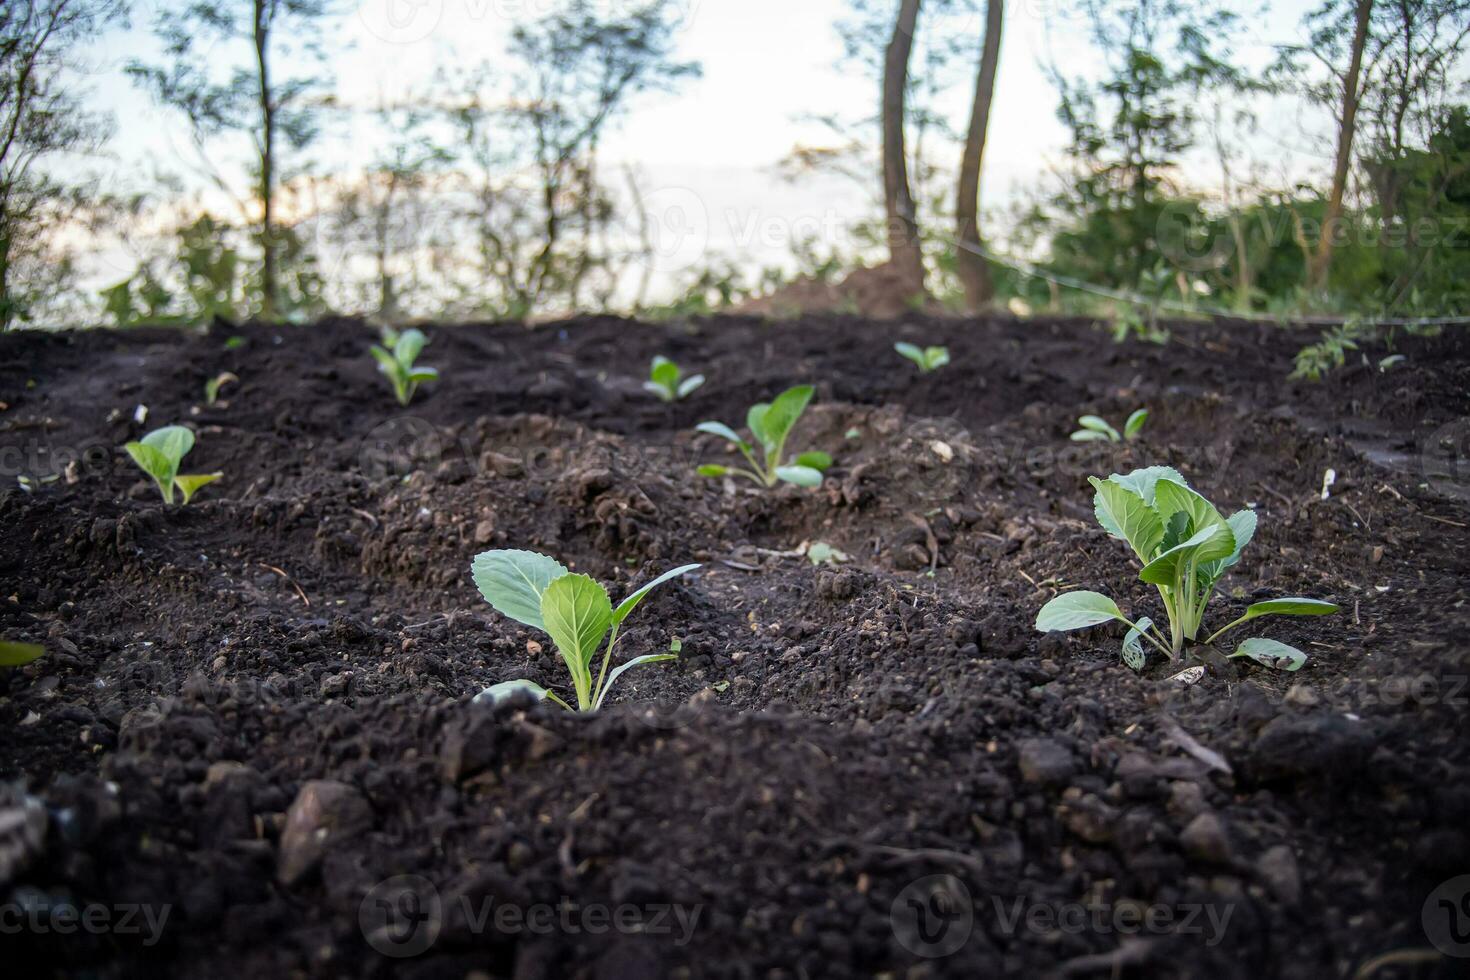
{"x":1096,"y":428}
{"x":397,"y":364}
{"x":927,"y":358}
{"x":159,"y":454}
{"x":771,"y":424}
{"x":664,"y":380}
{"x":574,"y":610}
{"x":1184,"y":546}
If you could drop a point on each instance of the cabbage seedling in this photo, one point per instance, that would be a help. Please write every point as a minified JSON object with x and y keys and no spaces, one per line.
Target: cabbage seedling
{"x":214,"y":384}
{"x":1184,"y":546}
{"x":574,"y":610}
{"x":397,"y":364}
{"x":927,"y":358}
{"x":1097,"y":429}
{"x":159,"y":453}
{"x":770,"y":424}
{"x":664,"y":380}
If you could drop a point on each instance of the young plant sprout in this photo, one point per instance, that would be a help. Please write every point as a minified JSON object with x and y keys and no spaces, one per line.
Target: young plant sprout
{"x":574,"y":610}
{"x":770,"y":424}
{"x":1096,"y":428}
{"x":927,"y":358}
{"x":213,"y":385}
{"x":159,"y":453}
{"x":664,"y":380}
{"x":397,"y":363}
{"x":1184,"y":546}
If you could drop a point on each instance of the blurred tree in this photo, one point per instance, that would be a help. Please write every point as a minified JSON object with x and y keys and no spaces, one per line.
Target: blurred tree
{"x":540,"y":240}
{"x":269,"y":107}
{"x":972,"y":269}
{"x":1131,"y":126}
{"x":41,"y":118}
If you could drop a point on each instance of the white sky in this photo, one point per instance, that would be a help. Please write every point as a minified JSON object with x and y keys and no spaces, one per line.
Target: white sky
{"x":706,"y":152}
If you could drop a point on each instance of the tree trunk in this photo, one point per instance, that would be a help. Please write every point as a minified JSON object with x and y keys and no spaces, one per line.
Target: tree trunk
{"x":1322,"y":258}
{"x":903,"y":226}
{"x":267,"y":163}
{"x":973,"y":270}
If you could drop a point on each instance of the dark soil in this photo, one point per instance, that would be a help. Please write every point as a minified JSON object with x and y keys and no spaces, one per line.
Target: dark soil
{"x":835,"y":742}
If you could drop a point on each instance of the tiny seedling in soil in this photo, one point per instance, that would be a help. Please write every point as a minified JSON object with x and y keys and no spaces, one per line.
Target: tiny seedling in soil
{"x":770,"y":424}
{"x":822,"y":553}
{"x":214,"y":384}
{"x":927,"y":358}
{"x":159,"y":454}
{"x":1185,"y":546}
{"x":397,"y":363}
{"x":664,"y":380}
{"x":1095,"y":428}
{"x":574,"y":610}
{"x":14,"y":654}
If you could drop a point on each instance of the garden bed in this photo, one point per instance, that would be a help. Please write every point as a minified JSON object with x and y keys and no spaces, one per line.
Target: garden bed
{"x":835,"y":743}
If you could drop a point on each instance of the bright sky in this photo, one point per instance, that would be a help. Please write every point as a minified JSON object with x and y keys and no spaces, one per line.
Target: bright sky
{"x":706,"y":153}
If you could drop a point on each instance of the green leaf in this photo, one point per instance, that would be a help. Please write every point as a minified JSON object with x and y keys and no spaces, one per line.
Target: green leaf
{"x":1087,"y":435}
{"x":1134,"y":655}
{"x":406,"y":349}
{"x":386,"y":361}
{"x":1214,"y":541}
{"x":496,"y":693}
{"x":1293,"y":606}
{"x":755,"y":421}
{"x":713,"y":469}
{"x":1077,"y":610}
{"x":1243,"y":526}
{"x":814,"y":460}
{"x":936,"y":357}
{"x":689,"y":384}
{"x":723,"y":431}
{"x":654,"y":389}
{"x":1176,"y":531}
{"x":1270,"y":653}
{"x":626,"y":607}
{"x":802,"y":476}
{"x":1097,"y":424}
{"x":664,"y":373}
{"x":1170,"y":498}
{"x":912,"y":352}
{"x":577,"y":613}
{"x":174,"y":441}
{"x":514,"y":581}
{"x":1123,"y":514}
{"x":421,"y":374}
{"x":152,"y":461}
{"x":784,"y":412}
{"x":1135,"y":423}
{"x":14,"y":654}
{"x":648,"y":658}
{"x":1143,"y":481}
{"x":189,"y":485}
